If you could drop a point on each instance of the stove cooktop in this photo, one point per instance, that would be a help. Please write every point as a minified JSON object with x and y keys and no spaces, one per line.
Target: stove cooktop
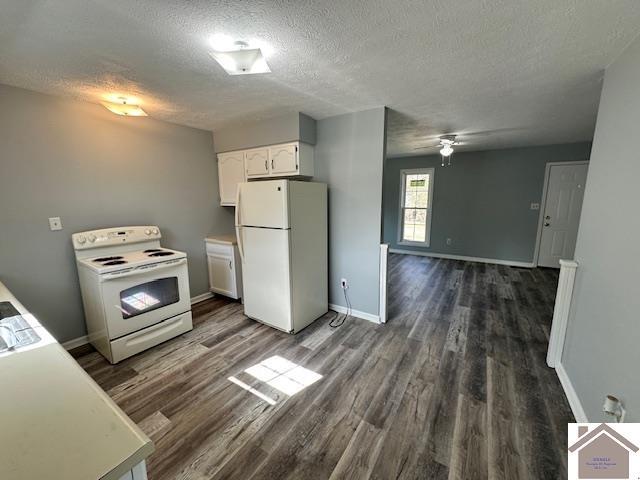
{"x":110,"y":263}
{"x":160,"y":254}
{"x":107,"y":259}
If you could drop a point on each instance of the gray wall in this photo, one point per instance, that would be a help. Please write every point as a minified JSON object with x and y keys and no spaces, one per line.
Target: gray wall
{"x":482,"y":201}
{"x":95,"y":169}
{"x":349,"y":156}
{"x":285,"y":128}
{"x":601,"y":349}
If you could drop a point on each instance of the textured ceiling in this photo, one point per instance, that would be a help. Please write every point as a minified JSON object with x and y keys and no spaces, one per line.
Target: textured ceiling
{"x":506,"y":73}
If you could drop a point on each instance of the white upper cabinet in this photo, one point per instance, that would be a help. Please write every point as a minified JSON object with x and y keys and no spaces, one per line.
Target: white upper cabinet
{"x":293,"y":159}
{"x":230,"y":174}
{"x":283,"y":159}
{"x":257,"y":162}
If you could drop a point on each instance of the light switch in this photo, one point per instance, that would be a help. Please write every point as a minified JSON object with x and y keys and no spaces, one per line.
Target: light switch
{"x":55,"y":223}
{"x":535,"y":206}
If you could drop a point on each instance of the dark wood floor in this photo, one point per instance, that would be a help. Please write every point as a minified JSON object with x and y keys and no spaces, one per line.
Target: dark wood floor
{"x":454,"y":386}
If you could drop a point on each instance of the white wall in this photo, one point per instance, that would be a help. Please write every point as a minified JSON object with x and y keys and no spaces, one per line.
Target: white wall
{"x":95,"y":169}
{"x":602,"y":353}
{"x":349,"y":156}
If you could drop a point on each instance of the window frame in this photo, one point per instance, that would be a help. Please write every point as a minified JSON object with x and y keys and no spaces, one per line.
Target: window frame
{"x":403,"y":183}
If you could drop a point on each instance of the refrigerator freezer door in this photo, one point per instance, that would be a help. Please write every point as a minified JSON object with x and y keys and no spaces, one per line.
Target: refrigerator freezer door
{"x":266,"y":276}
{"x":263,"y":204}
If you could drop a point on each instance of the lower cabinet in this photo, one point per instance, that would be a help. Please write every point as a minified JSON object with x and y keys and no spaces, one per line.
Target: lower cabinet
{"x":225,"y":274}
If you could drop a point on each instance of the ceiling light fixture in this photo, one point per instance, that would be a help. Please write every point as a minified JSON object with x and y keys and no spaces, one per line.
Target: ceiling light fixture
{"x":122,"y":107}
{"x":238,"y":58}
{"x":447,"y":142}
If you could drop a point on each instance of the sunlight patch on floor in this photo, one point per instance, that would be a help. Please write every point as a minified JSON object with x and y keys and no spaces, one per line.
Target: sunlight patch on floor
{"x":281,"y":374}
{"x":250,"y":389}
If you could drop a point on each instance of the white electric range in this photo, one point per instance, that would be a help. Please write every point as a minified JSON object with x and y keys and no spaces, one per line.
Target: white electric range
{"x":135,"y":292}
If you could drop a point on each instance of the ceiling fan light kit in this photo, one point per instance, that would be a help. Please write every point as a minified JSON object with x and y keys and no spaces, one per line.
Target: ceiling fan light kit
{"x":447,"y":142}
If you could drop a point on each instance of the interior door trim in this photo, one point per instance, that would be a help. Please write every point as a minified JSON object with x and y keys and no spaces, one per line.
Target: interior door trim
{"x":543,"y":202}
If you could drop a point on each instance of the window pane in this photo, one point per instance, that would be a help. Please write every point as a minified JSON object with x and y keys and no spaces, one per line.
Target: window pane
{"x":410,"y":198}
{"x":417,"y":181}
{"x":416,"y":191}
{"x":422,"y":199}
{"x":415,"y":225}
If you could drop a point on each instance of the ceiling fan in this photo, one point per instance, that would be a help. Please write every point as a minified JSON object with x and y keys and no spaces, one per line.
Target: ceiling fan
{"x":448,"y":141}
{"x":446,"y":144}
{"x":462,"y":134}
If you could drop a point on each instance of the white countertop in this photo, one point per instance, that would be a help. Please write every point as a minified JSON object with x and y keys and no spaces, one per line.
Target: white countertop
{"x":223,"y":239}
{"x":56,"y":422}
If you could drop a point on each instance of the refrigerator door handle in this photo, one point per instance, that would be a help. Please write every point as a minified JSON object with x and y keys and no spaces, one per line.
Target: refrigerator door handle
{"x":239,"y":237}
{"x":237,"y":212}
{"x":238,"y":227}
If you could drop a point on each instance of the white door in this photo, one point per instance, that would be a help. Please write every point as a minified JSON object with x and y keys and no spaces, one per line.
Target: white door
{"x":266,"y":276}
{"x":263,"y":204}
{"x":565,"y":190}
{"x":257,"y":162}
{"x":283,"y":159}
{"x":230,"y":174}
{"x":221,"y":274}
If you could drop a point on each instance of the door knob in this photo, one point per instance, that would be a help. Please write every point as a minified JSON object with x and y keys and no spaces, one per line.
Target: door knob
{"x":546,"y":224}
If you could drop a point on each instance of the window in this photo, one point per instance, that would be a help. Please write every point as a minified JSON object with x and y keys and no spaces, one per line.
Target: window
{"x":149,"y":296}
{"x":416,"y":190}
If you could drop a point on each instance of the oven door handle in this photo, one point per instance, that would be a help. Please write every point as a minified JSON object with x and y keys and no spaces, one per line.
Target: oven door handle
{"x":142,"y":270}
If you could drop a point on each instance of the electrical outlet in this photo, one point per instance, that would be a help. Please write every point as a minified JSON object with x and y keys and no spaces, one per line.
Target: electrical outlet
{"x":535,"y":206}
{"x":55,"y":223}
{"x":449,"y":241}
{"x":344,"y":284}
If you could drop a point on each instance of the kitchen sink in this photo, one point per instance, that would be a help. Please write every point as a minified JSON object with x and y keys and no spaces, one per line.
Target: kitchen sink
{"x":15,"y":332}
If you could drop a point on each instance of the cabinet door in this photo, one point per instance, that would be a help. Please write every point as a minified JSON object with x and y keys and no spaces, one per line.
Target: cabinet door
{"x":230,"y":174}
{"x":222,"y":275}
{"x":283,"y":159}
{"x":257,"y":162}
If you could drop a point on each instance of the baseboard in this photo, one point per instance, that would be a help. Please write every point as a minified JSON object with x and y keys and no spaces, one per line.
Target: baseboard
{"x":76,"y":342}
{"x":201,"y":298}
{"x":80,"y":341}
{"x":355,"y":313}
{"x":495,"y":261}
{"x":572,"y":396}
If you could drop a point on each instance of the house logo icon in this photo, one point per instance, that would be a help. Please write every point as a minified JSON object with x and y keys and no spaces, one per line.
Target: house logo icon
{"x":602,"y":452}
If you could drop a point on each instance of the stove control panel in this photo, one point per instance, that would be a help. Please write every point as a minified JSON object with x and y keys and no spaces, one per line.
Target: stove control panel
{"x":114,"y":236}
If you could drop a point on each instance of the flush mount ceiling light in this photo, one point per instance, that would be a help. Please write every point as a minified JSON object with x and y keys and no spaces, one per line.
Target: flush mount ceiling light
{"x":122,"y":107}
{"x":447,"y":142}
{"x":238,"y":58}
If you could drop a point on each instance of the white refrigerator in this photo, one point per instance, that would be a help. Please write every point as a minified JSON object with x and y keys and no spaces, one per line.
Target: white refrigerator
{"x":281,"y":227}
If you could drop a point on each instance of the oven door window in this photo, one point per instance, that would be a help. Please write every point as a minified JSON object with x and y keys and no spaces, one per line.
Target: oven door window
{"x":149,"y":296}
